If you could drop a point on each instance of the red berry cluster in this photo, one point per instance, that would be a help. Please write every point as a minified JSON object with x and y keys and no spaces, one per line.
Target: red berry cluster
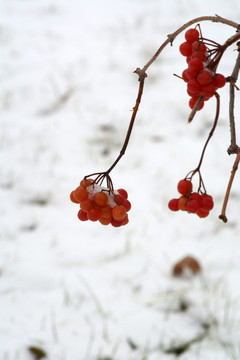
{"x":100,"y":204}
{"x":190,"y":201}
{"x":200,"y":78}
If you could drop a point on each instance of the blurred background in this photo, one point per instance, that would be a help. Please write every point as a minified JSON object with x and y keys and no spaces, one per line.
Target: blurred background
{"x":71,"y":290}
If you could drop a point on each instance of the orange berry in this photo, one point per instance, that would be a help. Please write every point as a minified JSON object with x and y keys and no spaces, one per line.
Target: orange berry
{"x":100,"y":198}
{"x":85,"y":183}
{"x":119,"y":212}
{"x":182,"y":203}
{"x":105,"y":221}
{"x":106,"y":211}
{"x":82,"y":215}
{"x":72,"y":198}
{"x":125,"y":221}
{"x":86,"y":205}
{"x":80,"y":194}
{"x":93,"y":214}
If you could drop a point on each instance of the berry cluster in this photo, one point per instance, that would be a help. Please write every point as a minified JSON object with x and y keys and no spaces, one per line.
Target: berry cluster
{"x":200,"y":76}
{"x":192,"y":202}
{"x":100,"y":204}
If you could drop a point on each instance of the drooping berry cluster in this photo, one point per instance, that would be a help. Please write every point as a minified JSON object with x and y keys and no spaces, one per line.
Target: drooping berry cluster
{"x":200,"y":76}
{"x":192,"y":202}
{"x":100,"y":204}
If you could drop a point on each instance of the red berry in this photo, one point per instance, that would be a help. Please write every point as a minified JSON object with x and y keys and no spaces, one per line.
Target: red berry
{"x":119,"y":199}
{"x":191,"y":35}
{"x":93,"y":214}
{"x":185,"y":48}
{"x":196,"y":64}
{"x":196,"y":196}
{"x":208,"y":90}
{"x":184,"y":187}
{"x":173,"y":205}
{"x":199,"y":55}
{"x":123,"y":192}
{"x":202,"y":213}
{"x":199,"y":46}
{"x":117,"y":223}
{"x":193,"y":101}
{"x":185,"y":75}
{"x":82,"y":215}
{"x":219,"y":80}
{"x":193,"y":88}
{"x":192,"y":206}
{"x":207,"y":202}
{"x":127,"y":205}
{"x":204,"y":77}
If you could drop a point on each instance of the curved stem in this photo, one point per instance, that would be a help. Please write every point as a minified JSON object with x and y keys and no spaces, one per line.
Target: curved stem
{"x":135,"y":109}
{"x":211,"y":132}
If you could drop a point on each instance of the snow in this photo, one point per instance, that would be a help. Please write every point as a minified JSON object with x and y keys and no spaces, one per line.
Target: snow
{"x":83,"y":290}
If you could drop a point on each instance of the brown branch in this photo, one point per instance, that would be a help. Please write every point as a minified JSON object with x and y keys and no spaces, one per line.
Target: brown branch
{"x":172,"y":36}
{"x":233,"y":79}
{"x":223,"y":216}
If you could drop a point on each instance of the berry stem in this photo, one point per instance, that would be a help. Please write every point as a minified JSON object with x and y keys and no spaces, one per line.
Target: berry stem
{"x":211,"y":132}
{"x":223,"y":216}
{"x":141,"y":79}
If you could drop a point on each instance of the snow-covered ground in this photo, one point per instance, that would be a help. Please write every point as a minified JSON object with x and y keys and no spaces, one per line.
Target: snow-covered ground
{"x":83,"y":291}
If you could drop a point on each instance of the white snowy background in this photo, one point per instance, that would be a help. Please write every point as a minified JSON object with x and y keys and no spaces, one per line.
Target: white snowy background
{"x":83,"y":291}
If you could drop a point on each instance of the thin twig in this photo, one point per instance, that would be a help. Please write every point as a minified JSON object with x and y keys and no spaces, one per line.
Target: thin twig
{"x":142,"y":77}
{"x":223,"y":216}
{"x":211,"y":132}
{"x":233,"y":79}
